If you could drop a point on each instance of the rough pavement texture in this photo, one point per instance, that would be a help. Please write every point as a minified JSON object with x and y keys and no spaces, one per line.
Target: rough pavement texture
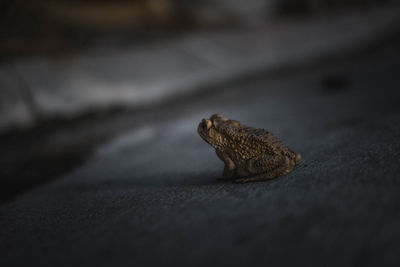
{"x":149,"y":197}
{"x":139,"y":75}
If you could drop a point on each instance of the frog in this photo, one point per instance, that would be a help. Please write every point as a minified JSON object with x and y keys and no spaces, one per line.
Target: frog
{"x":249,"y":154}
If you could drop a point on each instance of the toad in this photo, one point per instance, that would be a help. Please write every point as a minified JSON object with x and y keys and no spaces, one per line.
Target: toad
{"x":249,"y":154}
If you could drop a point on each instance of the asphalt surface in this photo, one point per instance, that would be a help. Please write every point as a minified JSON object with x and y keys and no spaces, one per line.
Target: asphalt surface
{"x":150,"y":197}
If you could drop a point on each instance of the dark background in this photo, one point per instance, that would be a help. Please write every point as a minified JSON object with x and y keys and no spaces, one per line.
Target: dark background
{"x":100,"y":162}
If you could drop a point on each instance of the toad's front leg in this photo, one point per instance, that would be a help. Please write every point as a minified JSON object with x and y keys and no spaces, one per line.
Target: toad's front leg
{"x":266,"y":167}
{"x":230,"y":168}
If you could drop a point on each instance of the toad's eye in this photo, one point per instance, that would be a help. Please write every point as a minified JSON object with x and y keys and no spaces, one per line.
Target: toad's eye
{"x":206,"y":124}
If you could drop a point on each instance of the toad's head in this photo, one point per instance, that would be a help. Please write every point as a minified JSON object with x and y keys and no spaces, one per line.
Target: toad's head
{"x":217,"y":130}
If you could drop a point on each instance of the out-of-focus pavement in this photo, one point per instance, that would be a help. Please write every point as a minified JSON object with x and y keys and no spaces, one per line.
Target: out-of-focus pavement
{"x":149,"y":196}
{"x":43,"y":88}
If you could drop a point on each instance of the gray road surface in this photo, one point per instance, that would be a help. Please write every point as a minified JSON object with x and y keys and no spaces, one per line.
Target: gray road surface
{"x":150,"y":195}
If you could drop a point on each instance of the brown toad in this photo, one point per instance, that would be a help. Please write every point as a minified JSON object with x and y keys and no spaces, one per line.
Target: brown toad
{"x":249,"y":154}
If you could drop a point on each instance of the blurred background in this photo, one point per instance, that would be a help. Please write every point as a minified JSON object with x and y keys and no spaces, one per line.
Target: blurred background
{"x":65,"y":58}
{"x":104,"y":96}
